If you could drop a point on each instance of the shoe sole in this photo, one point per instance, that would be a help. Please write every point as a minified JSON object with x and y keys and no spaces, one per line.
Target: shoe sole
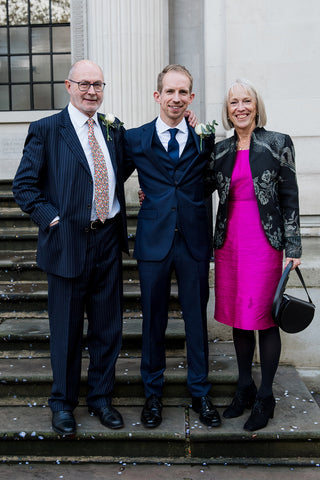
{"x":151,"y":426}
{"x":216,"y":424}
{"x":60,"y":432}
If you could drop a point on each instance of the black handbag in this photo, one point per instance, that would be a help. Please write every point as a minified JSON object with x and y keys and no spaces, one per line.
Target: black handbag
{"x":291,"y":313}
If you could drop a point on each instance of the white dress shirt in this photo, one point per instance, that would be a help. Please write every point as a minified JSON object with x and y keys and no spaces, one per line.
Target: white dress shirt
{"x":164,"y":134}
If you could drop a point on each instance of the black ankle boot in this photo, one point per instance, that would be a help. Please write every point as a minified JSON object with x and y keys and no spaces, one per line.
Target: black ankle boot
{"x":262,"y":410}
{"x":244,"y":398}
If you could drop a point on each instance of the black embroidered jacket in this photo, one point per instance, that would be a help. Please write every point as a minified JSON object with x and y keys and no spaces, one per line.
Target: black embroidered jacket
{"x":272,"y":166}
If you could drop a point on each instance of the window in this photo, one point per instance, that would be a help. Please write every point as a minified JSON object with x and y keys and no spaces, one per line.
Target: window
{"x":35,"y":54}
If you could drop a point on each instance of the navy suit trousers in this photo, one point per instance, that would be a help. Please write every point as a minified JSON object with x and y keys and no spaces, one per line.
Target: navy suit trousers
{"x":192,"y":278}
{"x":98,"y":291}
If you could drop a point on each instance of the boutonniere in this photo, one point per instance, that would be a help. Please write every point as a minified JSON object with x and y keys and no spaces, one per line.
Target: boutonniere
{"x":109,"y":121}
{"x":205,"y":130}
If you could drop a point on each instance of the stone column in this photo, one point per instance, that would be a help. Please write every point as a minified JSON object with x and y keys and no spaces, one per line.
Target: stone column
{"x":129,"y":40}
{"x":186,"y":35}
{"x":78,"y":20}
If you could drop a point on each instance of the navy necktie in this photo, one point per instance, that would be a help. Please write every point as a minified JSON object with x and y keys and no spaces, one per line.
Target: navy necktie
{"x":173,"y":145}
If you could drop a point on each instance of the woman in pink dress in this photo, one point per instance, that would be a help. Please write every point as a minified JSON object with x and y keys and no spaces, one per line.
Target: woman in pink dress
{"x":258,"y":218}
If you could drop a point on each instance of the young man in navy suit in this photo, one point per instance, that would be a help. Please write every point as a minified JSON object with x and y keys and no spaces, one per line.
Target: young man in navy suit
{"x":80,"y":240}
{"x":172,"y":234}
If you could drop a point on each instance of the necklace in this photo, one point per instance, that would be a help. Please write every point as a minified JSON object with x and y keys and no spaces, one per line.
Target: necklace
{"x":244,"y":146}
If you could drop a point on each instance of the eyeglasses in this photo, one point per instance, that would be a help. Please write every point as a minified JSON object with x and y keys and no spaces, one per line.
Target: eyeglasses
{"x":85,"y":86}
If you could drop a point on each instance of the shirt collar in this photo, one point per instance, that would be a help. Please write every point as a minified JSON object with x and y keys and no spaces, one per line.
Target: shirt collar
{"x":161,"y":126}
{"x":78,"y":117}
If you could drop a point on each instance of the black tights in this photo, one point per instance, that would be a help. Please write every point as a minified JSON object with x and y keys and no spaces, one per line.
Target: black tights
{"x":270,"y":348}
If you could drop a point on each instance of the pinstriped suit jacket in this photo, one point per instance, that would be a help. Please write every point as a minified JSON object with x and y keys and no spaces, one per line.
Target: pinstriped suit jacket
{"x":54,"y":178}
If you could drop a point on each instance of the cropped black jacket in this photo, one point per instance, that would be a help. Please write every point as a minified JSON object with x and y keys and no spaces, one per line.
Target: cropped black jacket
{"x":272,"y":166}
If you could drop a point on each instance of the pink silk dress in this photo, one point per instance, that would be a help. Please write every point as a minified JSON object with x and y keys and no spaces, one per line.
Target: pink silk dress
{"x":247,"y":267}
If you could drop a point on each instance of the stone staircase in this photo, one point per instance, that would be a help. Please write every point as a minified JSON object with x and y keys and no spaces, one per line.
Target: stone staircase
{"x":292,"y":437}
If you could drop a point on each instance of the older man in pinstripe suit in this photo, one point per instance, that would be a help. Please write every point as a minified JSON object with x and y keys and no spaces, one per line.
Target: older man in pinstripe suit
{"x":81,"y":252}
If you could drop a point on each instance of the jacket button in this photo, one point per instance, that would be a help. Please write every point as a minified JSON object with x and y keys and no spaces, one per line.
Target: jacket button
{"x":173,"y":209}
{"x":89,"y":206}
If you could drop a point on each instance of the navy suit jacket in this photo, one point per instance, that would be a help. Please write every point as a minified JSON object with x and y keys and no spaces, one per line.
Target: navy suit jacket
{"x":53,"y":179}
{"x":172,"y":199}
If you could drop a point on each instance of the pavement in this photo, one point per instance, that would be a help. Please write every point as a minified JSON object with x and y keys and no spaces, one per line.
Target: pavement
{"x":96,"y":471}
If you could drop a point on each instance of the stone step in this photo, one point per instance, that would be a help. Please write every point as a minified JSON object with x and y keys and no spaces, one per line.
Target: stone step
{"x":6,"y":199}
{"x":30,"y":377}
{"x":24,"y":238}
{"x":13,"y":217}
{"x":22,"y":266}
{"x":292,"y":436}
{"x":18,"y":239}
{"x":18,"y":247}
{"x":28,"y":295}
{"x":6,"y":185}
{"x":28,"y":335}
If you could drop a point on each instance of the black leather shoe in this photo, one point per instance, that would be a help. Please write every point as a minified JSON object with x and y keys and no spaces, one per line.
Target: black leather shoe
{"x":244,"y":398}
{"x":108,"y":415}
{"x":262,"y":410}
{"x":151,"y":412}
{"x":63,"y":422}
{"x":207,"y":413}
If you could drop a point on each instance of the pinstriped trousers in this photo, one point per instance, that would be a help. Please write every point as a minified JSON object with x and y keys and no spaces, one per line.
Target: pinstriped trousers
{"x":98,"y":291}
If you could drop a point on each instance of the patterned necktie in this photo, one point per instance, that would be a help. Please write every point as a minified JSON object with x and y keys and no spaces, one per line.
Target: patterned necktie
{"x":101,"y":182}
{"x":173,"y":145}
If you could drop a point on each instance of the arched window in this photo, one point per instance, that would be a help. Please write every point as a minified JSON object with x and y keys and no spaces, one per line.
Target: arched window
{"x":35,"y":54}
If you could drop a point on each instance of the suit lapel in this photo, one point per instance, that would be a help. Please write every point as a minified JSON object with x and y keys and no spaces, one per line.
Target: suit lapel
{"x":196,"y":139}
{"x":146,"y":143}
{"x":71,"y":139}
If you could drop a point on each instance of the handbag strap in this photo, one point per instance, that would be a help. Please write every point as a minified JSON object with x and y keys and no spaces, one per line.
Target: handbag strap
{"x":302,"y":281}
{"x":282,"y":286}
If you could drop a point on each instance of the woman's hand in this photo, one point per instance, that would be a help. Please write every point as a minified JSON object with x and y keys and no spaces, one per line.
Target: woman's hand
{"x":191,"y":117}
{"x":296,"y":262}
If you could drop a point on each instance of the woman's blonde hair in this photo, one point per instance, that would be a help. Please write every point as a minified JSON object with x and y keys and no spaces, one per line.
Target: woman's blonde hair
{"x":261,"y":119}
